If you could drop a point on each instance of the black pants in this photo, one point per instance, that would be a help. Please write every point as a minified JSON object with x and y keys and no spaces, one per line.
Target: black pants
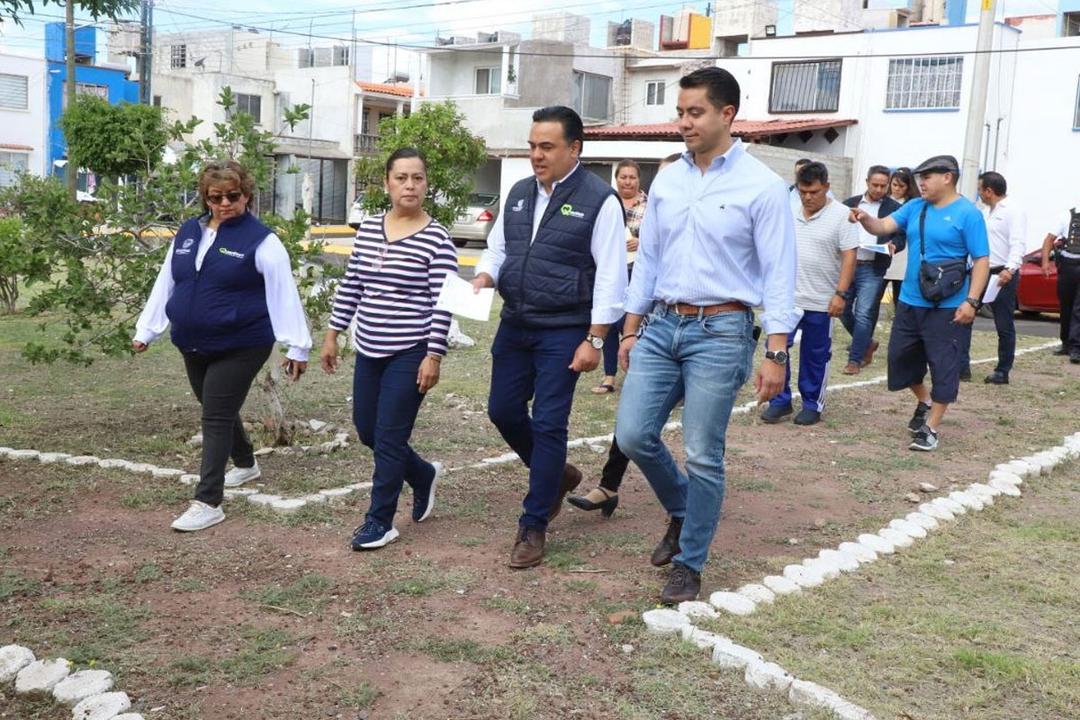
{"x":1068,"y":287}
{"x":1004,"y":307}
{"x":221,"y":382}
{"x":614,"y":469}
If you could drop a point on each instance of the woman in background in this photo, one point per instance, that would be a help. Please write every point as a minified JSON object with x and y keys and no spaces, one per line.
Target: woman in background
{"x":902,"y":187}
{"x":628,"y":185}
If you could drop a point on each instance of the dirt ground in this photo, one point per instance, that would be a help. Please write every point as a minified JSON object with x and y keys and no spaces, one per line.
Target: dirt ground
{"x":274,"y":616}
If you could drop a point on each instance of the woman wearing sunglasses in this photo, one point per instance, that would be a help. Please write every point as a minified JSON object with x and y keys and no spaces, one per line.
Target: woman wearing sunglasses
{"x":399,"y":262}
{"x":227,"y":289}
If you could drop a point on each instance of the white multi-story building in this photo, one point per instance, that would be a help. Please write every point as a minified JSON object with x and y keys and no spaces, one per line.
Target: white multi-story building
{"x":190,"y":70}
{"x":24,"y":118}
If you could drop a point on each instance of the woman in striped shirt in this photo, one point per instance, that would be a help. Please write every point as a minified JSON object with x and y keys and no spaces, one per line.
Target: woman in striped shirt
{"x":399,"y":262}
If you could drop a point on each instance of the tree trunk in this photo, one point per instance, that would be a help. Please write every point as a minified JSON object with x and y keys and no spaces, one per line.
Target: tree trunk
{"x":280,"y":432}
{"x":9,"y":293}
{"x":71,"y":172}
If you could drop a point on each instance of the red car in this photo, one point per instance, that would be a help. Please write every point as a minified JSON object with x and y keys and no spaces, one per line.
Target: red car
{"x":1037,"y":294}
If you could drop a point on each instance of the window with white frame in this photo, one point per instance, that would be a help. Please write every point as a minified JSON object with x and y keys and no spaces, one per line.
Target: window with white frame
{"x":487,"y":80}
{"x":925,"y":83}
{"x":11,"y":164}
{"x":14,"y":93}
{"x":592,"y":96}
{"x":654,"y":92}
{"x":250,"y":104}
{"x":805,"y":86}
{"x":178,"y":56}
{"x":1076,"y":110}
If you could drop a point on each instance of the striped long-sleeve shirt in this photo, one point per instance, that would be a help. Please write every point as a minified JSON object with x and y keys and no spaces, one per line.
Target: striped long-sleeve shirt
{"x":391,"y":289}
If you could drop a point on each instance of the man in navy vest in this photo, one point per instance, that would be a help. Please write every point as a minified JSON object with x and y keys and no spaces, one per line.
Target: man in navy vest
{"x":558,"y":258}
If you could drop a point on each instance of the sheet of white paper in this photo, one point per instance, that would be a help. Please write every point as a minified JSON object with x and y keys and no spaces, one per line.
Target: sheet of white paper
{"x":992,"y":290}
{"x":883,"y":249}
{"x":457,"y":297}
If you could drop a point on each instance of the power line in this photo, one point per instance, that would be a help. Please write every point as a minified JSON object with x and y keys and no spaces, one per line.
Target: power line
{"x":521,"y":53}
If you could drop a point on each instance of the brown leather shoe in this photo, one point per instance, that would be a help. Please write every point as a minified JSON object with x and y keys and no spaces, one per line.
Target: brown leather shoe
{"x":571,"y":478}
{"x":528,"y":548}
{"x":851,"y":369}
{"x":683,"y":584}
{"x":669,"y":544}
{"x":868,"y":356}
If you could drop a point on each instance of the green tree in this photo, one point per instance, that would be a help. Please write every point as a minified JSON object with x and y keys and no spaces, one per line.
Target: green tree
{"x":114,"y":140}
{"x":105,"y":255}
{"x":21,"y":261}
{"x":453,"y":154}
{"x":13,"y":9}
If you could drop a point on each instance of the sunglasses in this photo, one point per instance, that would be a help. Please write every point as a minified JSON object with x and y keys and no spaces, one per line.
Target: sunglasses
{"x":233,"y":197}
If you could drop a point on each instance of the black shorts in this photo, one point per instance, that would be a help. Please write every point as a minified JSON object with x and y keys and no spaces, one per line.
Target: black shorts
{"x":926,"y":337}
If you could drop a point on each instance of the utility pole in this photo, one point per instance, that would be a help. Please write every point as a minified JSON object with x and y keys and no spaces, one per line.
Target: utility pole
{"x":969,"y":165}
{"x":71,"y":173}
{"x":146,"y":51}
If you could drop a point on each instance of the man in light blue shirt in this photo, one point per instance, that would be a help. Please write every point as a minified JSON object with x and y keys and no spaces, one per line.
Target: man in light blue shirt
{"x":717,"y":240}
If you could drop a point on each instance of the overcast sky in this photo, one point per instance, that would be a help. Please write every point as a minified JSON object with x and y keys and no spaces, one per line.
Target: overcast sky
{"x":408,"y":21}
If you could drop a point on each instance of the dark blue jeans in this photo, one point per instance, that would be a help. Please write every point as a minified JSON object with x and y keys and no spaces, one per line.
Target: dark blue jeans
{"x":534,"y":364}
{"x":611,"y":348}
{"x":385,"y":403}
{"x":861,"y":311}
{"x":1004,"y":307}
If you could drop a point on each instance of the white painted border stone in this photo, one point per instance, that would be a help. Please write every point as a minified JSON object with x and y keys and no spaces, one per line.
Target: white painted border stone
{"x":14,"y":658}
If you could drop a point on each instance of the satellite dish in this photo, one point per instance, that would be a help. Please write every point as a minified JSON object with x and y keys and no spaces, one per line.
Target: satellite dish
{"x":200,"y":63}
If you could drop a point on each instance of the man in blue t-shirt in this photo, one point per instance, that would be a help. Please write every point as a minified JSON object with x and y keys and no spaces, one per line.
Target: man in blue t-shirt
{"x":926,"y":333}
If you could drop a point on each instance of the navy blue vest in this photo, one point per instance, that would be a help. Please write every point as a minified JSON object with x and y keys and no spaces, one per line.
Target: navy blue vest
{"x":221,"y":306}
{"x":548,"y":282}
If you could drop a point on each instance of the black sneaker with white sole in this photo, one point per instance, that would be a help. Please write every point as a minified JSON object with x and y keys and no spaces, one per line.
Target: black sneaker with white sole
{"x":922,"y":411}
{"x":925,"y":440}
{"x":373,"y":535}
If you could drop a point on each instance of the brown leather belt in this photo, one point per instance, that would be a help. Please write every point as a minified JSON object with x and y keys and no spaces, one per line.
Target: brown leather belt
{"x":706,"y":310}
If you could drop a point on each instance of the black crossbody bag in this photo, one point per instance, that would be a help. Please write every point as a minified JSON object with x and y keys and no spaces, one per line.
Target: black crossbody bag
{"x":938,"y":281}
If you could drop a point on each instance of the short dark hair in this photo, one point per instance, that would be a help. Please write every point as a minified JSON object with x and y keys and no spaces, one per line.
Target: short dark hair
{"x":878,"y":170}
{"x":802,"y":161}
{"x":573,"y":128}
{"x":628,"y":163}
{"x":722,"y":87}
{"x":995,"y":182}
{"x":403,"y":154}
{"x":811,"y":173}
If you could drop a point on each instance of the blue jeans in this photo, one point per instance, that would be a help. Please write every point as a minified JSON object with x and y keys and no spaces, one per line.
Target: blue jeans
{"x":534,"y":364}
{"x":861,"y":311}
{"x":704,"y":362}
{"x":815,"y":352}
{"x":385,"y":403}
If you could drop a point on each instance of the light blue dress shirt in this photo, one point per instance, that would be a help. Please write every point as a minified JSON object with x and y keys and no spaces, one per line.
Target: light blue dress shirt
{"x":720,"y":236}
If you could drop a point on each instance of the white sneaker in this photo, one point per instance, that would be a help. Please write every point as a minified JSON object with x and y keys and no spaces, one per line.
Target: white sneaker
{"x":421,"y":513}
{"x":198,"y":516}
{"x":238,"y":476}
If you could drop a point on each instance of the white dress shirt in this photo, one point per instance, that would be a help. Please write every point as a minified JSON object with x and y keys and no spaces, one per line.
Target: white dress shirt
{"x":282,"y":298}
{"x":1061,"y":231}
{"x":608,"y":247}
{"x":871,"y":208}
{"x":1006,"y":229}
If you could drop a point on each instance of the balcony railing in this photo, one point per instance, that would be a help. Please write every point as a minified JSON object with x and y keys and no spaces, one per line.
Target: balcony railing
{"x":365,"y":144}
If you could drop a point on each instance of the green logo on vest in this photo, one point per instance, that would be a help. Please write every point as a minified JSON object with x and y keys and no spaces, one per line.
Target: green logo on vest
{"x":568,"y":211}
{"x":231,"y":253}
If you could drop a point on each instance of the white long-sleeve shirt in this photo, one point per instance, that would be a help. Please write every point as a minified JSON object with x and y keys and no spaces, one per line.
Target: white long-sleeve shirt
{"x":1006,"y":228}
{"x":608,"y":248}
{"x":287,"y":316}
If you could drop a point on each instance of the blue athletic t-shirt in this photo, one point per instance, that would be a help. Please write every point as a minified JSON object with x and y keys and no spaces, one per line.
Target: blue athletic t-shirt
{"x":953,"y":232}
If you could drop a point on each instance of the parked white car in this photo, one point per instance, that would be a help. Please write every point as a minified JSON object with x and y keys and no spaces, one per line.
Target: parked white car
{"x":357,"y":214}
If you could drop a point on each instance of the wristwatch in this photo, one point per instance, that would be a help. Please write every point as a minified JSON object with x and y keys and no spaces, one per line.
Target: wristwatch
{"x":842,"y":294}
{"x":779,"y":356}
{"x":974,"y":302}
{"x":595,"y":340}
